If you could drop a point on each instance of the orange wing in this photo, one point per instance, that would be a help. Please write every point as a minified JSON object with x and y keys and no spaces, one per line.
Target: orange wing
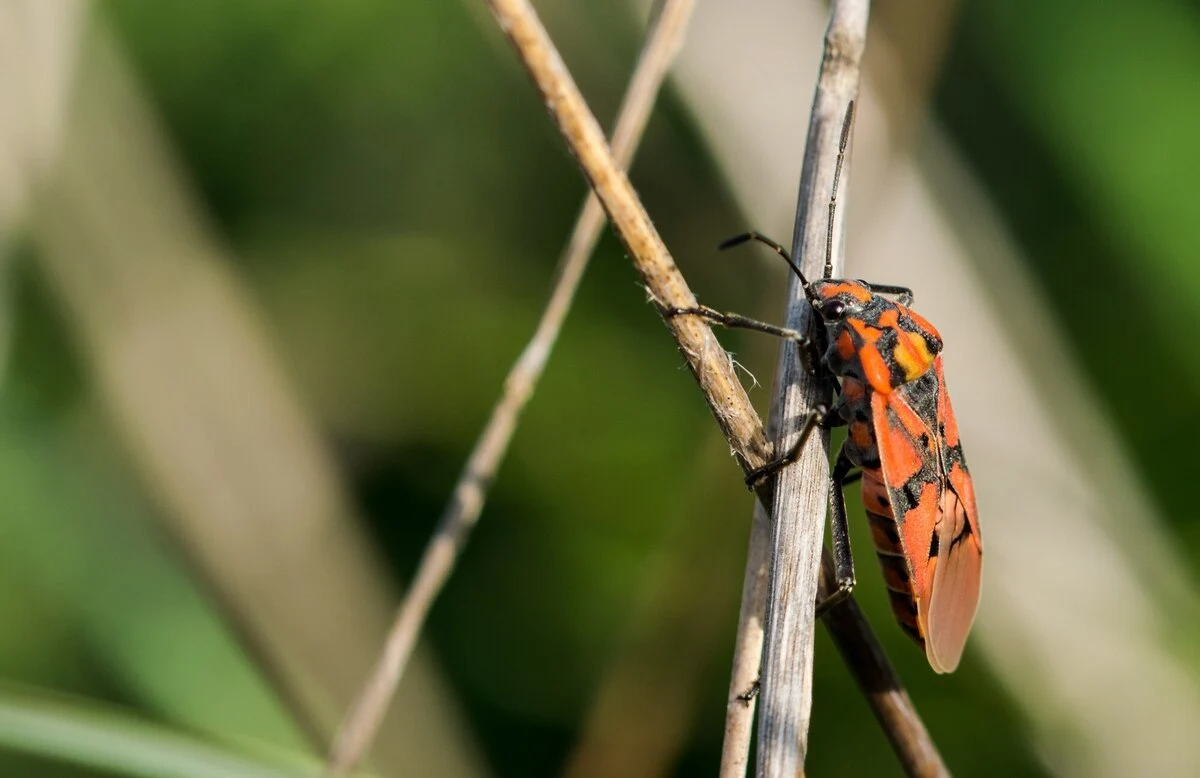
{"x":934,"y":504}
{"x":958,"y":569}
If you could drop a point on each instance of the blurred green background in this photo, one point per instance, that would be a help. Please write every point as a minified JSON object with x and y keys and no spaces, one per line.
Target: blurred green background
{"x":377,"y":189}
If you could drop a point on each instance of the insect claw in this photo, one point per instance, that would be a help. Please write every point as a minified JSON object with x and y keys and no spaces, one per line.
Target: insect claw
{"x":835,"y":598}
{"x":670,"y":311}
{"x":748,"y":696}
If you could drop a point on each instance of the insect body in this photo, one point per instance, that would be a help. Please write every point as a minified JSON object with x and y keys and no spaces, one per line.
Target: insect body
{"x":915,"y":485}
{"x":903,"y":440}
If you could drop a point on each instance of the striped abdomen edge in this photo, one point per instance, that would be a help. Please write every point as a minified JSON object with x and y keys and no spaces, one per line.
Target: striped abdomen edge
{"x":886,"y":535}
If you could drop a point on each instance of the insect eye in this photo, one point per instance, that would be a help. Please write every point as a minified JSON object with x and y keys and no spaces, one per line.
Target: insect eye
{"x":832,"y":309}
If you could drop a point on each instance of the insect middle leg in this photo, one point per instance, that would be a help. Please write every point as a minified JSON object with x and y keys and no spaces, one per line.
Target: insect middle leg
{"x":819,"y":416}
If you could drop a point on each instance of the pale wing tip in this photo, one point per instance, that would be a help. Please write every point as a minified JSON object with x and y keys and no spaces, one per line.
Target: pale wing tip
{"x":943,"y":663}
{"x":954,"y":602}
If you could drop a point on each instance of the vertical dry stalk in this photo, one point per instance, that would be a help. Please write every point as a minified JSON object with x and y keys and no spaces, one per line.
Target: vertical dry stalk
{"x":711,"y":366}
{"x":801,"y":491}
{"x":462,"y":512}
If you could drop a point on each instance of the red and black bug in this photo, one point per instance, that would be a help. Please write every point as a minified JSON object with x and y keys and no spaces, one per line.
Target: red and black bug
{"x":902,"y":439}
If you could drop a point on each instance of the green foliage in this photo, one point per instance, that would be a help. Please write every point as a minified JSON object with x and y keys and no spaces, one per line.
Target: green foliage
{"x":396,"y":197}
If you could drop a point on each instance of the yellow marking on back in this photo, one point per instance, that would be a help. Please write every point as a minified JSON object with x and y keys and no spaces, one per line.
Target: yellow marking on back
{"x":913,"y":355}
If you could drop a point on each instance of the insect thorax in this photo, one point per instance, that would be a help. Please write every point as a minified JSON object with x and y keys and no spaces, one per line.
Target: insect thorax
{"x":881,"y":343}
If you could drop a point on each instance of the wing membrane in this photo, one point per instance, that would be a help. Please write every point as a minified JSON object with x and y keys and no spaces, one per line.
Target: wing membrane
{"x":933,"y":501}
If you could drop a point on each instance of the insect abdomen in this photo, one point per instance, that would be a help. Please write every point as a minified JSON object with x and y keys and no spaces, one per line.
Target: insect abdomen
{"x":886,"y":535}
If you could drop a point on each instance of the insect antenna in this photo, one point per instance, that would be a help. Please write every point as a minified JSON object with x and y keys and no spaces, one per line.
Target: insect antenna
{"x":737,"y":240}
{"x":746,"y":237}
{"x":837,"y":177}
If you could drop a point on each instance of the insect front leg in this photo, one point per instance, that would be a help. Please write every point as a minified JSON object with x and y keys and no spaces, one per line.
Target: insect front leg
{"x":809,"y":350}
{"x":839,"y":532}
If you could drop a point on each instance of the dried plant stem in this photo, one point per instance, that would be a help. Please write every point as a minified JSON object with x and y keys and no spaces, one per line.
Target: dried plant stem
{"x":781,"y":571}
{"x":462,"y":512}
{"x":877,"y":678}
{"x":708,"y":361}
{"x":747,"y":649}
{"x":801,"y":490}
{"x":712,"y":368}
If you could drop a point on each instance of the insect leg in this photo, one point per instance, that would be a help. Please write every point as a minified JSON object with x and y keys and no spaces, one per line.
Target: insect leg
{"x":809,"y":351}
{"x":839,"y":531}
{"x":748,"y":696}
{"x":737,"y":240}
{"x":817,"y":417}
{"x":738,"y":321}
{"x":745,"y":237}
{"x":903,"y":294}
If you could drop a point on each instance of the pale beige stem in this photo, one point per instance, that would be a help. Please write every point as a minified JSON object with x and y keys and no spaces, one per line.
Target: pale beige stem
{"x":462,"y":512}
{"x":801,"y":490}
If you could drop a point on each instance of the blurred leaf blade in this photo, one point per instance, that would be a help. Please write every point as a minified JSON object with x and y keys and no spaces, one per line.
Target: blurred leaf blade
{"x":107,"y":739}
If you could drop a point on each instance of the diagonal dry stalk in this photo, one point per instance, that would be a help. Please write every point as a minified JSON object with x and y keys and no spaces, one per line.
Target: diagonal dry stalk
{"x":877,"y":678}
{"x":358,"y":729}
{"x":704,"y":356}
{"x":710,"y":365}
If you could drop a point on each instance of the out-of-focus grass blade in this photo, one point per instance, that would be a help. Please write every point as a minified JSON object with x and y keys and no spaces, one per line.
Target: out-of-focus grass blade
{"x":85,"y":734}
{"x":1111,"y":87}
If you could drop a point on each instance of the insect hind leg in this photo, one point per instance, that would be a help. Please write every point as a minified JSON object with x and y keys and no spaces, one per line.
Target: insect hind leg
{"x":903,"y":294}
{"x":839,"y":532}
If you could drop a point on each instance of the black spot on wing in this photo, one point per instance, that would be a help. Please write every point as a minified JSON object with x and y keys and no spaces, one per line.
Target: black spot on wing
{"x":905,"y":500}
{"x":953,"y":455}
{"x":905,"y":496}
{"x":921,"y":394}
